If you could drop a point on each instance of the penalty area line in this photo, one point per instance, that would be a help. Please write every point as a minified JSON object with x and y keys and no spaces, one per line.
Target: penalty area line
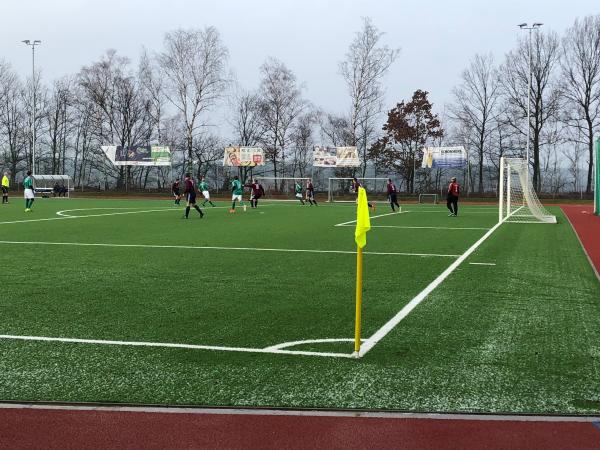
{"x":371,"y":217}
{"x":269,"y":350}
{"x":391,"y":324}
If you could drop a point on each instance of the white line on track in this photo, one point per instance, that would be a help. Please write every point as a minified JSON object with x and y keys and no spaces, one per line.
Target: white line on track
{"x":270,"y":350}
{"x":301,"y":412}
{"x":391,"y":324}
{"x":421,"y":228}
{"x":194,"y":247}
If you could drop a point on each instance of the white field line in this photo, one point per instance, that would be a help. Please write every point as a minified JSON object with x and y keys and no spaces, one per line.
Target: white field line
{"x":195,"y":247}
{"x":308,"y":341}
{"x":300,"y":412}
{"x":66,"y":216}
{"x":391,"y":324}
{"x":421,"y":228}
{"x":482,"y":264}
{"x":372,"y":217}
{"x":268,"y":350}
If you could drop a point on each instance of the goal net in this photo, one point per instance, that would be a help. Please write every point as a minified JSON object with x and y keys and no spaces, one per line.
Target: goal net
{"x":428,"y":198}
{"x":281,"y":188}
{"x":518,"y":200}
{"x":340,"y":189}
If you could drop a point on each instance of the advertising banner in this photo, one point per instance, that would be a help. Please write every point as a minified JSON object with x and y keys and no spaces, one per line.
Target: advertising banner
{"x":243,"y":156}
{"x":146,"y":155}
{"x":444,"y":157}
{"x":335,"y":157}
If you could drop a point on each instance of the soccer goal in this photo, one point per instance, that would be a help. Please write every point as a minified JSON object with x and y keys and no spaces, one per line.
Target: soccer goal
{"x":282,"y":188}
{"x":428,"y":198}
{"x":518,"y":200}
{"x":340,"y":189}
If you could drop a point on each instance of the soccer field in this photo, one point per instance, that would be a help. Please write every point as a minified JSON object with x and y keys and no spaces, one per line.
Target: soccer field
{"x":124,"y":301}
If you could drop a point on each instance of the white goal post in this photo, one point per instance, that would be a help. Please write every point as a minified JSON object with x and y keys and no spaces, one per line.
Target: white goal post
{"x":340,"y":189}
{"x":432,"y":196}
{"x":518,"y":201}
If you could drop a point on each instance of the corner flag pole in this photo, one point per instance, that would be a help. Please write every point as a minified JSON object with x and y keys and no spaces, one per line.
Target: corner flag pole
{"x":359,"y":282}
{"x":363,"y":224}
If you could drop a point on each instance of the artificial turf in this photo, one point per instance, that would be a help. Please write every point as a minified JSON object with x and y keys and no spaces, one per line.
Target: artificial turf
{"x":518,"y":336}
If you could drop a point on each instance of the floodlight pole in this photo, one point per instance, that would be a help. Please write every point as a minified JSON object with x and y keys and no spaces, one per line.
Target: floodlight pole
{"x":32,"y":44}
{"x":524,"y":26}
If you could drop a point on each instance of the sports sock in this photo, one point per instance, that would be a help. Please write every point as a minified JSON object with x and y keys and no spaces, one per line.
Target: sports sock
{"x":187,"y":211}
{"x":233,"y":205}
{"x":197,"y":208}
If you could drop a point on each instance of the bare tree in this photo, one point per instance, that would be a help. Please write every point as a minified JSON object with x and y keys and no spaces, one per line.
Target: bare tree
{"x":193,"y":63}
{"x":58,"y":123}
{"x":336,"y":130}
{"x":475,"y":108}
{"x":246,"y":121}
{"x":302,"y":138}
{"x":545,"y":92}
{"x":366,"y":64}
{"x":122,"y":109}
{"x":581,"y":83}
{"x":281,"y":104}
{"x":13,"y":121}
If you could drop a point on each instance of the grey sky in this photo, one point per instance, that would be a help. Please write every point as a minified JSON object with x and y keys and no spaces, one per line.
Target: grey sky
{"x":437,"y":38}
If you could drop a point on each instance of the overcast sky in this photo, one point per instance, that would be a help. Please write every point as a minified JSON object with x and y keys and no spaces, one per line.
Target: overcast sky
{"x":437,"y":38}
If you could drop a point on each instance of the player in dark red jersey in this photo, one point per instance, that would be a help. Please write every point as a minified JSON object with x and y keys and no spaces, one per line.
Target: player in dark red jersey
{"x":310,"y":193}
{"x":176,"y":192}
{"x":392,"y":193}
{"x":357,"y":184}
{"x":256,"y":192}
{"x":452,"y":199}
{"x":190,"y":196}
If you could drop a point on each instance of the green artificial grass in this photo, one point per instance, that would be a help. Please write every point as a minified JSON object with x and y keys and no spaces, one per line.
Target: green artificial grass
{"x":520,"y":336}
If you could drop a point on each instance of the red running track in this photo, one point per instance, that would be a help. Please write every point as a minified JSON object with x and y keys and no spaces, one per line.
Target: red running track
{"x":31,"y":428}
{"x":587,"y":227}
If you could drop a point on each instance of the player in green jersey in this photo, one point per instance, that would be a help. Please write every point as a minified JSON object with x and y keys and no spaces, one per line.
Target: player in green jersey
{"x":237,"y":190}
{"x":203,"y":187}
{"x":298,"y":191}
{"x":29,"y":193}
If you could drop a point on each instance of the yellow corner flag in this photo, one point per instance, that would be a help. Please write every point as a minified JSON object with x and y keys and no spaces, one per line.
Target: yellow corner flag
{"x":363,"y":224}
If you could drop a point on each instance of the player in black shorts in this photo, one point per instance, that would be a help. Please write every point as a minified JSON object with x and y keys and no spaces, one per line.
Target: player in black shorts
{"x":310,"y":193}
{"x":256,"y":193}
{"x":190,"y":196}
{"x":176,"y":192}
{"x":392,"y":193}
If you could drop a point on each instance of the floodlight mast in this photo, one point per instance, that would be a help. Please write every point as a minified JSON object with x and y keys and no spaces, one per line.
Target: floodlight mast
{"x":524,"y":26}
{"x":33,"y":99}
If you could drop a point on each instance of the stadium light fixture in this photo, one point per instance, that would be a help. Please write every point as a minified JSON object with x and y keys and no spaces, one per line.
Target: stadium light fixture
{"x":32,"y":45}
{"x":524,"y":26}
